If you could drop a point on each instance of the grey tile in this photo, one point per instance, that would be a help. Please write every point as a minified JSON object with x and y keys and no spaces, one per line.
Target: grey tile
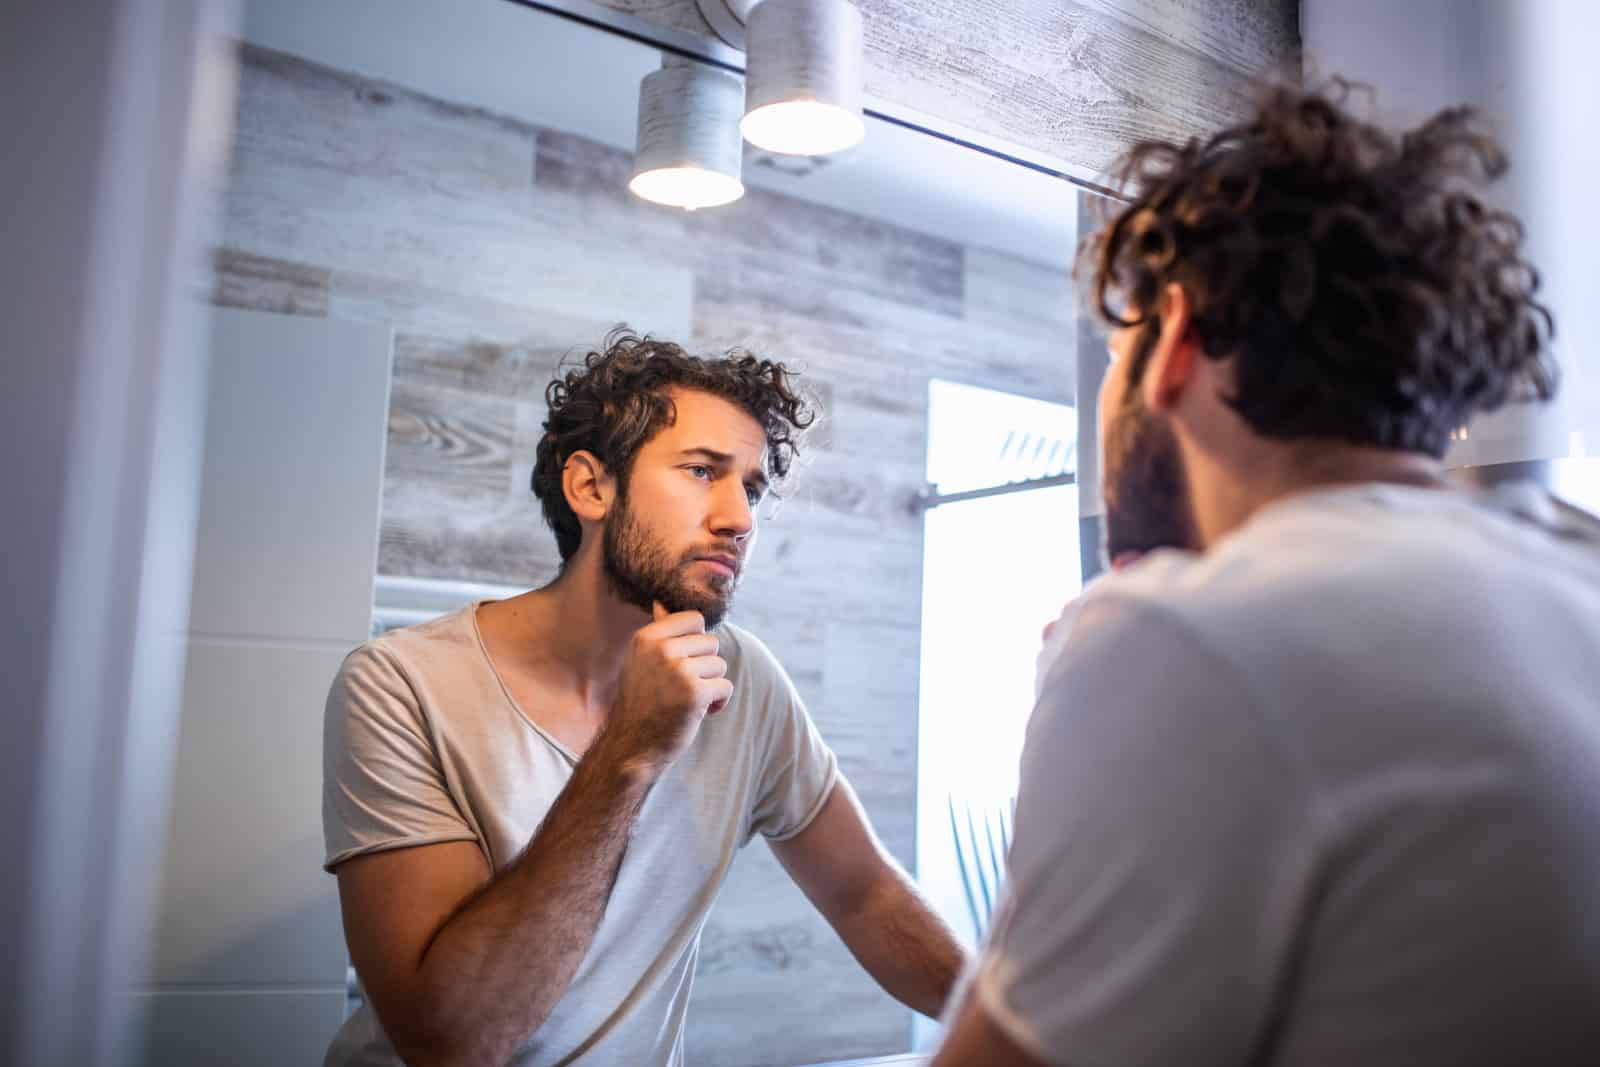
{"x":244,"y":899}
{"x":289,"y":499}
{"x":238,"y":1029}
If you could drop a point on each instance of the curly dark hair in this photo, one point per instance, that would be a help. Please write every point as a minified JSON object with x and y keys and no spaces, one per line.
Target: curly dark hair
{"x":1364,"y":290}
{"x":618,"y":399}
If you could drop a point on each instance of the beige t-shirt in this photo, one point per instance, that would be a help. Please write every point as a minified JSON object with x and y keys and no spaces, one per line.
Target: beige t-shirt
{"x":424,"y":744}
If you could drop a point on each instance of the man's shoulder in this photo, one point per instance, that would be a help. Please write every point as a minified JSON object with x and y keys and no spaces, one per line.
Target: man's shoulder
{"x":404,"y":654}
{"x":1365,"y":567}
{"x":744,"y":651}
{"x":762,"y":686}
{"x":445,"y":634}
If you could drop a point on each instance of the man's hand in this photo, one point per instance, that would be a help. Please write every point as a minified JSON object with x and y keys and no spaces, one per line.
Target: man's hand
{"x":464,"y":964}
{"x":671,"y":679}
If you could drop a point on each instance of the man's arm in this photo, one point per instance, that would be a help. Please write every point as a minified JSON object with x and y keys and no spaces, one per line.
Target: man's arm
{"x":462,"y":967}
{"x":975,"y":1041}
{"x":872,"y":903}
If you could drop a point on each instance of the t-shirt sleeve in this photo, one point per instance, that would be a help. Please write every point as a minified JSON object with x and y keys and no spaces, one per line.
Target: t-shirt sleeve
{"x":1161,"y":853}
{"x":382,"y":785}
{"x":795,"y":769}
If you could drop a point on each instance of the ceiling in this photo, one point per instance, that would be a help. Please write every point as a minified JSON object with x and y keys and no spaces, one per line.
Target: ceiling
{"x":550,"y":71}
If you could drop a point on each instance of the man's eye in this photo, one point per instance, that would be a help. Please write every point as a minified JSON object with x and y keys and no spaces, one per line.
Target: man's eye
{"x":753,"y":495}
{"x":700,"y":470}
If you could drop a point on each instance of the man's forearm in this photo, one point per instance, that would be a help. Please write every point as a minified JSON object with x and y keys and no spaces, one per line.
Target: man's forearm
{"x":497,"y":967}
{"x":903,"y":943}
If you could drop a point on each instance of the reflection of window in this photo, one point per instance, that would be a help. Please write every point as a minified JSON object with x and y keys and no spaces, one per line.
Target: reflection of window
{"x":1577,"y":481}
{"x":995,"y":570}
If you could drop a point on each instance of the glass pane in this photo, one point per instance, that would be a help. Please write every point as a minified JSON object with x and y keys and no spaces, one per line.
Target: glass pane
{"x":995,"y":571}
{"x":983,"y":437}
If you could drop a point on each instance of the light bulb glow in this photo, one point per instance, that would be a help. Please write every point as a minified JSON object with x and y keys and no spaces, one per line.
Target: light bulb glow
{"x":803,"y":128}
{"x":686,"y":187}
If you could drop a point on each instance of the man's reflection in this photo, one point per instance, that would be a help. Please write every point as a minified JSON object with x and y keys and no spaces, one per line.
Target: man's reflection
{"x":531,"y":804}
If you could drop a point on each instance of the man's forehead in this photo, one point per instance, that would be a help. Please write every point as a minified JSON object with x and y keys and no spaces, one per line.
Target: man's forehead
{"x":711,"y":422}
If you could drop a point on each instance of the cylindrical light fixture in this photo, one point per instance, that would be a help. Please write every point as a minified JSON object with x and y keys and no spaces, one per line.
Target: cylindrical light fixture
{"x":688,"y":152}
{"x":803,"y":79}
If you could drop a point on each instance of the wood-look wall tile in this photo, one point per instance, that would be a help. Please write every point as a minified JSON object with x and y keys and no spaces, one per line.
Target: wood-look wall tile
{"x":375,"y":180}
{"x":260,"y":283}
{"x":1012,"y":69}
{"x":857,"y":573}
{"x":1251,"y":36}
{"x":433,"y":312}
{"x":435,"y":241}
{"x":1008,"y":291}
{"x":792,"y":630}
{"x":515,"y":372}
{"x":325,"y":122}
{"x":762,"y":235}
{"x":448,"y":449}
{"x":762,"y":943}
{"x":510,"y":547}
{"x":886,"y":344}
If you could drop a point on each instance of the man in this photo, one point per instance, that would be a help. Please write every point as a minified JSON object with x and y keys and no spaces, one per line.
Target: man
{"x":1328,"y":790}
{"x":531,"y":804}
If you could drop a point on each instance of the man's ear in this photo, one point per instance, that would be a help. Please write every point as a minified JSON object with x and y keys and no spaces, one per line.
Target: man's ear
{"x":589,"y":487}
{"x":1172,"y":361}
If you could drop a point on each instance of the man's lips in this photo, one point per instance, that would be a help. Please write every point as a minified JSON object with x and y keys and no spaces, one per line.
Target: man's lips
{"x":728,"y":565}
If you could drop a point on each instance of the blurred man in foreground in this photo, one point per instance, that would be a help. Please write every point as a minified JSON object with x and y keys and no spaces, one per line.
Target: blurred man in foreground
{"x":1328,"y":790}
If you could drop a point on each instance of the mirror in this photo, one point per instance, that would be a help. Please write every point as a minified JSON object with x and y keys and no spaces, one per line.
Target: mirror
{"x":446,"y":186}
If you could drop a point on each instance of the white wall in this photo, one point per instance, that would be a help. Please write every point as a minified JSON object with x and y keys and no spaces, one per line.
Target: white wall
{"x":250,"y":956}
{"x":1530,"y":64}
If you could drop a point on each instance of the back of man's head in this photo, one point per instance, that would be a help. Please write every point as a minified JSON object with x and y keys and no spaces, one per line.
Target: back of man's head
{"x":1364,"y":290}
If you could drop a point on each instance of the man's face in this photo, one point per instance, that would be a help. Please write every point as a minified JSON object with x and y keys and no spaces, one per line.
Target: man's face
{"x":684,"y":521}
{"x":1143,"y":481}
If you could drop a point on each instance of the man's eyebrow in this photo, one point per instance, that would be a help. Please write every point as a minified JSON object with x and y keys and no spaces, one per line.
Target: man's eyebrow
{"x":722,"y":459}
{"x":709,"y":453}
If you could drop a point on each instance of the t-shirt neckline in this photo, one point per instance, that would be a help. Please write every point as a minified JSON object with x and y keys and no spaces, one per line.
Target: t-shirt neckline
{"x":505,"y":691}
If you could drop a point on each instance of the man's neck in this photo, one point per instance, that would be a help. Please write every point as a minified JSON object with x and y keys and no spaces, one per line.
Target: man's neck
{"x":572,"y":634}
{"x":1226,"y":495}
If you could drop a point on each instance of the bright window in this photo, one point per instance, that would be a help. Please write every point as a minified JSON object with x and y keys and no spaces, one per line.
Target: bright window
{"x":995,"y":570}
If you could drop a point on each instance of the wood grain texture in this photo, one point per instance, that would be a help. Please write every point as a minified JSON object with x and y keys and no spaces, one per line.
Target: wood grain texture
{"x":760,"y":231}
{"x":261,"y":283}
{"x":496,"y":251}
{"x":675,"y":14}
{"x":1076,"y":80}
{"x":1250,"y":35}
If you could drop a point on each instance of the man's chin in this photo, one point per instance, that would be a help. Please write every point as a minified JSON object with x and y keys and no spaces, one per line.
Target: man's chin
{"x":713,"y":604}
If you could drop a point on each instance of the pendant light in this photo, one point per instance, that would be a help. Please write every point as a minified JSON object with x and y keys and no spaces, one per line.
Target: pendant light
{"x":803,"y":77}
{"x":687,"y":153}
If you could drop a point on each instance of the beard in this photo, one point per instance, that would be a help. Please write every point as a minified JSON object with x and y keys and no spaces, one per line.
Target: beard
{"x":641,"y":570}
{"x":1146,"y":490}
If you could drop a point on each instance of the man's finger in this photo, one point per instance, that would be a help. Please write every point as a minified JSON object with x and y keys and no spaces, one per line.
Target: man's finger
{"x":708,"y":666}
{"x":691,"y":645}
{"x":721,"y":691}
{"x":677,"y":624}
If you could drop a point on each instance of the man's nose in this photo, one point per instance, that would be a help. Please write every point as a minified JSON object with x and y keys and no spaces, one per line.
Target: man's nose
{"x":734,"y":517}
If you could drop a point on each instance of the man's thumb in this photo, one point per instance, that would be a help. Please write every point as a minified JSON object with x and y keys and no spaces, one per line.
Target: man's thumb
{"x":659,"y":611}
